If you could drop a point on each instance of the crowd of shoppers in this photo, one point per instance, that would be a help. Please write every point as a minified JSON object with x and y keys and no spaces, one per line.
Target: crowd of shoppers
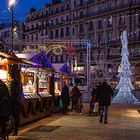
{"x":10,"y":102}
{"x":100,"y":100}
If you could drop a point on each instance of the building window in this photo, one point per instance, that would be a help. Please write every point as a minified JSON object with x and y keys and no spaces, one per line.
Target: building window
{"x":62,"y":32}
{"x":32,"y":37}
{"x":36,"y":36}
{"x":62,"y":59}
{"x":51,"y":11}
{"x":100,"y":38}
{"x":67,"y":6}
{"x":100,"y":24}
{"x":92,"y":54}
{"x":74,"y":3}
{"x":56,"y":59}
{"x":121,"y":20}
{"x":42,"y":14}
{"x":42,"y":33}
{"x":109,"y":36}
{"x":73,"y":31}
{"x":81,"y":57}
{"x":67,"y":31}
{"x":51,"y":22}
{"x":67,"y":18}
{"x":32,"y":27}
{"x":90,"y":26}
{"x":81,"y":14}
{"x":110,"y":6}
{"x":51,"y":35}
{"x":27,"y":37}
{"x":36,"y":25}
{"x":139,"y":34}
{"x":81,"y":28}
{"x":56,"y":34}
{"x":91,"y":36}
{"x":46,"y":32}
{"x":98,"y":56}
{"x":81,"y":3}
{"x":138,"y":18}
{"x":62,"y":8}
{"x":27,"y":28}
{"x":46,"y":13}
{"x":62,"y":19}
{"x":57,"y":11}
{"x":109,"y":22}
{"x":56,"y":20}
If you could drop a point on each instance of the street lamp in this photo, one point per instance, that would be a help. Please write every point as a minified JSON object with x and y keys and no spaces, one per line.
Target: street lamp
{"x":11,"y":6}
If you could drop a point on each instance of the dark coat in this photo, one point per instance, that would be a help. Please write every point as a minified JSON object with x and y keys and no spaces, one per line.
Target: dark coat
{"x":75,"y":93}
{"x":4,"y":100}
{"x":104,"y":94}
{"x":14,"y":90}
{"x":65,"y":95}
{"x":94,"y":92}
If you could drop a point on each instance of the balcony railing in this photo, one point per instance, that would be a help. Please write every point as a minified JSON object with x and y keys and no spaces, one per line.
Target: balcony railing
{"x":90,"y":1}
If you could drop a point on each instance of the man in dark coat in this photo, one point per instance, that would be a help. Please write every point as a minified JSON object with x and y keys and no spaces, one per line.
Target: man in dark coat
{"x":4,"y":108}
{"x":75,"y":96}
{"x":14,"y":90}
{"x":104,"y":95}
{"x":65,"y":99}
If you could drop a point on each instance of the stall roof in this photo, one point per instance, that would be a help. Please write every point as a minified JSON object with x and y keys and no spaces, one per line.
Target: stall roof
{"x":66,"y":69}
{"x":26,"y":55}
{"x":39,"y":58}
{"x":13,"y":59}
{"x":42,"y":59}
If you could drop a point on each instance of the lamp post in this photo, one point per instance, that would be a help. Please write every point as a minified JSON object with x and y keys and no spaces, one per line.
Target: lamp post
{"x":11,"y":6}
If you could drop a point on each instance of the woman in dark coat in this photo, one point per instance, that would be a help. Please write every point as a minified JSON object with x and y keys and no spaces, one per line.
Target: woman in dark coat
{"x":4,"y":108}
{"x":65,"y":99}
{"x":14,"y":90}
{"x":104,"y":94}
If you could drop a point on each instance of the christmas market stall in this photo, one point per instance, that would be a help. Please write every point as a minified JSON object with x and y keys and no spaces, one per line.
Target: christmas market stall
{"x":38,"y":87}
{"x":9,"y":63}
{"x":62,"y":75}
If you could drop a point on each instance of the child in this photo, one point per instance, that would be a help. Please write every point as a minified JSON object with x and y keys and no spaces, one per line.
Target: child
{"x":79,"y":107}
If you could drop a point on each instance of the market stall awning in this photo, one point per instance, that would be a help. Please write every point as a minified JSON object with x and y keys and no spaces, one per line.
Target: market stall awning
{"x":13,"y":59}
{"x":42,"y":59}
{"x":66,"y":69}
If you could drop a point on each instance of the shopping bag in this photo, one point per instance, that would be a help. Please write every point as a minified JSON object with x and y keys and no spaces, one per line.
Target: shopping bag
{"x":60,"y":104}
{"x":96,"y":106}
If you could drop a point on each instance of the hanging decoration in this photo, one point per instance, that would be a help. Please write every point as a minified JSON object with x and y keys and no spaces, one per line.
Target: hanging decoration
{"x":125,"y":86}
{"x":71,"y":50}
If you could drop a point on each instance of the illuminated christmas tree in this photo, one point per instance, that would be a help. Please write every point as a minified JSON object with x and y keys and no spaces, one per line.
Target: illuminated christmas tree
{"x":125,"y":86}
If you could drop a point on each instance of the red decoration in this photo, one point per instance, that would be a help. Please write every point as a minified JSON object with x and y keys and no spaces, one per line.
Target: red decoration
{"x":71,"y":50}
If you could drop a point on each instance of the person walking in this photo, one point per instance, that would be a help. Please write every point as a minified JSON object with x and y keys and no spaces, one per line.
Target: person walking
{"x":104,"y":95}
{"x":65,"y":99}
{"x":75,"y":96}
{"x":14,"y":90}
{"x":4,"y":109}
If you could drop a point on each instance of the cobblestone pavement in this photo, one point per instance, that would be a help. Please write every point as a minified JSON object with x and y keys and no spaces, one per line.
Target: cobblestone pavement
{"x":124,"y":124}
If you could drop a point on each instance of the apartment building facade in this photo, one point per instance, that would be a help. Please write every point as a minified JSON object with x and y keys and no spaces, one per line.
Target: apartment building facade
{"x":101,"y":21}
{"x":6,"y":36}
